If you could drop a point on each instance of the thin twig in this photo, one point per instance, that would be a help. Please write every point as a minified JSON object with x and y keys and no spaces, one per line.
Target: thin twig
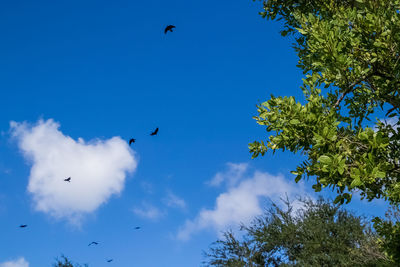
{"x":349,"y":89}
{"x":390,"y":111}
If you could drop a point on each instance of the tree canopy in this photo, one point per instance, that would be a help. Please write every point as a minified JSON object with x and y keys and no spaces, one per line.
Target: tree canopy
{"x":347,"y":126}
{"x":349,"y":53}
{"x":318,"y":234}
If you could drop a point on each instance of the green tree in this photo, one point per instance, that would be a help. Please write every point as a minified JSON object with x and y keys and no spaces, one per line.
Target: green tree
{"x":389,"y":230}
{"x":318,"y":234}
{"x":349,"y":51}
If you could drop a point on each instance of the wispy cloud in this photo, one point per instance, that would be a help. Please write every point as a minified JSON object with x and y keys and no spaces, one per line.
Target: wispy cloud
{"x":97,"y":168}
{"x":230,"y":176}
{"x":147,"y":187}
{"x":173,"y":201}
{"x":241,"y":202}
{"x":392,"y":121}
{"x":21,"y":262}
{"x":148,"y":211}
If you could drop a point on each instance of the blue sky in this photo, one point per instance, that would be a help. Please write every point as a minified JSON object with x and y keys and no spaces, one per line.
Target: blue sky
{"x":101,"y":71}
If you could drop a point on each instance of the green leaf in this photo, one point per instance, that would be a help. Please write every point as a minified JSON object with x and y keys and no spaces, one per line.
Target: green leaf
{"x":317,"y":187}
{"x":380,"y":174}
{"x":363,"y":136}
{"x":302,"y":31}
{"x":324,"y":159}
{"x":356,"y":182}
{"x":341,"y":169}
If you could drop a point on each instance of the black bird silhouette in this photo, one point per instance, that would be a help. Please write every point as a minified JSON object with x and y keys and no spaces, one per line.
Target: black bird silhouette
{"x":137,"y":227}
{"x":155,"y":132}
{"x":132,"y":141}
{"x":169,"y":28}
{"x":23,"y":225}
{"x":110,"y":260}
{"x":93,"y":243}
{"x":68,"y":179}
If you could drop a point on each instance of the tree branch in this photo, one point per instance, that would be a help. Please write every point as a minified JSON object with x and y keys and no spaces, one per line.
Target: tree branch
{"x":390,"y":111}
{"x":349,"y":89}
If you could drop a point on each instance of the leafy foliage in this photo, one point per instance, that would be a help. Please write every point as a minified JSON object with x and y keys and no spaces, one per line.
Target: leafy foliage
{"x":318,"y":234}
{"x":389,"y":230}
{"x":351,"y":49}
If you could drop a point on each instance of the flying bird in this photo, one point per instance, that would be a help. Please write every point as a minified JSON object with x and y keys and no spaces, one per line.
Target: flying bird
{"x":137,"y":227}
{"x":68,"y":179}
{"x":23,"y":225}
{"x":110,"y":260}
{"x":93,"y":243}
{"x":169,"y":28}
{"x":132,"y":141}
{"x":155,"y":132}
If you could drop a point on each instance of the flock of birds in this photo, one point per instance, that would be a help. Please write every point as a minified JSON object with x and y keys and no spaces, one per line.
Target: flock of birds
{"x":167,"y":29}
{"x":131,"y":141}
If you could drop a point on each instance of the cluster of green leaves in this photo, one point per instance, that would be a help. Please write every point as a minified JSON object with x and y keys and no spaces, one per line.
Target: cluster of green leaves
{"x":389,"y":231}
{"x":349,"y":51}
{"x":318,"y":234}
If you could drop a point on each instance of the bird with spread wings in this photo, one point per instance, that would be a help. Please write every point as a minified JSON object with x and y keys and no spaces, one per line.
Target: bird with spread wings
{"x":155,"y":132}
{"x":131,"y":141}
{"x":169,"y":28}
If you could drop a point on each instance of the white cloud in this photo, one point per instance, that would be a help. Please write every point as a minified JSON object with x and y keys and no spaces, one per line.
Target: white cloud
{"x":148,"y":211}
{"x":231,"y":176}
{"x":174,"y":201}
{"x":394,"y":122}
{"x":241,"y":202}
{"x":97,"y":168}
{"x":21,"y":262}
